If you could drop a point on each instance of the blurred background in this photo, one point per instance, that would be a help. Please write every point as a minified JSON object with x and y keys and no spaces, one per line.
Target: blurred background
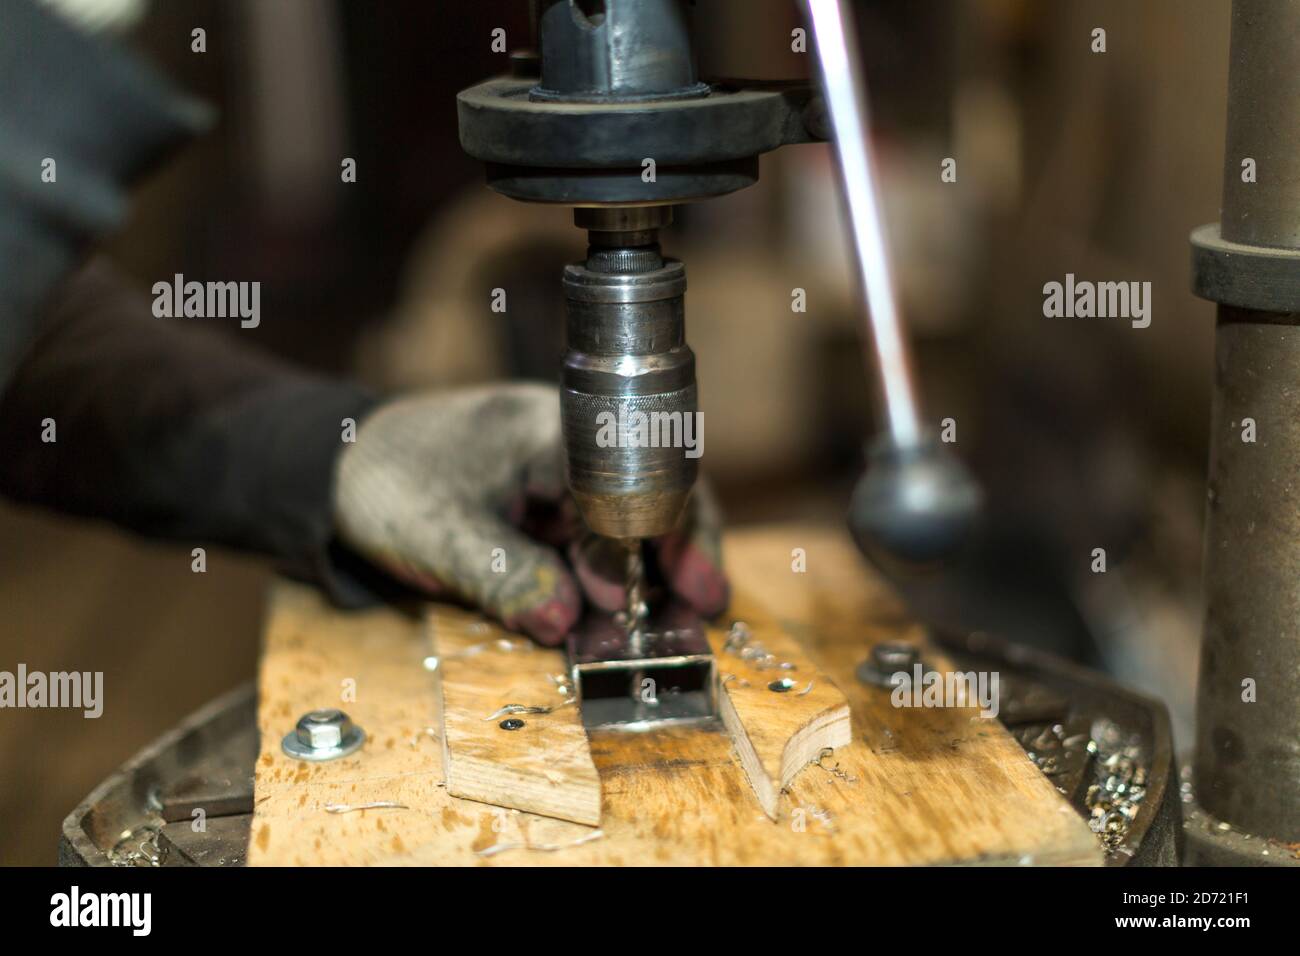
{"x":1085,"y":432}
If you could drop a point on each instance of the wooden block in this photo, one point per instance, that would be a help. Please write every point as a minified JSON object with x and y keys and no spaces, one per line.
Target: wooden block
{"x":916,"y":785}
{"x":544,"y":766}
{"x":369,"y":664}
{"x":780,"y":709}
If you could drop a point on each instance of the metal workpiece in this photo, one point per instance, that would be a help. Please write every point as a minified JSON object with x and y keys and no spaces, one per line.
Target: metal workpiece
{"x":1247,"y":770}
{"x":663,"y":672}
{"x":628,"y":399}
{"x":1263,"y":123}
{"x":616,"y":51}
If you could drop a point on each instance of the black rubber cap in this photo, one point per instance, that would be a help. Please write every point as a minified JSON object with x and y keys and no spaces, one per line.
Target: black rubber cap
{"x":915,"y":504}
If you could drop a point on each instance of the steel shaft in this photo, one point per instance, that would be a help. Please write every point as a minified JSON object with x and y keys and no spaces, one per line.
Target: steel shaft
{"x":916,"y":503}
{"x":884,"y":341}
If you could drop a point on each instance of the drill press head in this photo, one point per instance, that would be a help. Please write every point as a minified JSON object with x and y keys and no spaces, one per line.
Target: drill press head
{"x":613,"y":120}
{"x":628,"y":398}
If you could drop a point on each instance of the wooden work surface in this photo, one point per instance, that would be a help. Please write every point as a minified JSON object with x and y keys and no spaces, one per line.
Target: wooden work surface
{"x":916,"y":786}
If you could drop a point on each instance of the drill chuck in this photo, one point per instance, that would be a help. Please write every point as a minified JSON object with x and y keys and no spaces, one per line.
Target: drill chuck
{"x":628,"y":398}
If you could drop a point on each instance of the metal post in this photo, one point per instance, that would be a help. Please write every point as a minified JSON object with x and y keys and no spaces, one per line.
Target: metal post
{"x":1247,"y":770}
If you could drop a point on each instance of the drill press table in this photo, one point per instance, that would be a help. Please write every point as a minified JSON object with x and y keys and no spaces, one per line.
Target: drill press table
{"x":915,"y":786}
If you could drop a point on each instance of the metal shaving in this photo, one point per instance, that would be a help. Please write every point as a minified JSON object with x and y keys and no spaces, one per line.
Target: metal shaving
{"x":377,"y":805}
{"x":806,"y":690}
{"x":540,"y":847}
{"x":1119,"y":786}
{"x":834,"y":771}
{"x":564,"y":686}
{"x":1118,"y":768}
{"x":426,"y":732}
{"x":740,"y":642}
{"x":1050,"y":749}
{"x":822,"y":816}
{"x":138,"y":847}
{"x":524,"y":709}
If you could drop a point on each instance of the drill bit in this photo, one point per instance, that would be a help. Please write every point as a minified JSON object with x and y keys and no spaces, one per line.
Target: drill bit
{"x":637,"y":609}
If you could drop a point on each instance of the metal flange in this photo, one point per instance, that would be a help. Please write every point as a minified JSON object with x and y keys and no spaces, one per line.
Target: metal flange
{"x":594,"y":152}
{"x":1249,"y":277}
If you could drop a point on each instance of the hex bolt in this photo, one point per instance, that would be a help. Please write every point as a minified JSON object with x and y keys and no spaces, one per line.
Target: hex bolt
{"x":323,"y":735}
{"x":896,"y":654}
{"x":887,"y":659}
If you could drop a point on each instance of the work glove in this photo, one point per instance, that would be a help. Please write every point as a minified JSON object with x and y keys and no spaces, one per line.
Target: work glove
{"x":462,"y":494}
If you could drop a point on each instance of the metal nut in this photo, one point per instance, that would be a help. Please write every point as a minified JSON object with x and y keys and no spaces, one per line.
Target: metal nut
{"x":323,"y":735}
{"x":887,"y":659}
{"x":895,"y":654}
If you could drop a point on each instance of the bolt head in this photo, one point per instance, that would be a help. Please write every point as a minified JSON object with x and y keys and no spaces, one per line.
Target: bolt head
{"x":323,"y":735}
{"x":324,"y":729}
{"x":889,"y":659}
{"x":895,"y":655}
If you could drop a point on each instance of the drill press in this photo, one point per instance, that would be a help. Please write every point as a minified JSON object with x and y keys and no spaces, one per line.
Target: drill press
{"x":612,"y":119}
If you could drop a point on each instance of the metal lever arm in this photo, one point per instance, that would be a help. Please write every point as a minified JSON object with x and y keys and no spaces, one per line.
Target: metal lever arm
{"x":915,"y":502}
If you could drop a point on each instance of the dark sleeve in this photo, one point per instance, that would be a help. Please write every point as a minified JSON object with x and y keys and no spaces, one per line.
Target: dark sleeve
{"x":175,"y":431}
{"x":164,"y":428}
{"x":79,"y":122}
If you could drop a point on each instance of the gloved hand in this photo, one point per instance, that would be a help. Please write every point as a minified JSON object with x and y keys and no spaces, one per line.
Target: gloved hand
{"x":463,"y":493}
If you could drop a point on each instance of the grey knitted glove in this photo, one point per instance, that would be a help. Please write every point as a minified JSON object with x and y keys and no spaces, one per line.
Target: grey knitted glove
{"x":462,"y":493}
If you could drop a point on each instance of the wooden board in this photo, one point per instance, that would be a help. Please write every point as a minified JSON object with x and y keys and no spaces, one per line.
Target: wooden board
{"x":776,"y":734}
{"x":779,"y":708}
{"x":913,"y":787}
{"x":544,"y":766}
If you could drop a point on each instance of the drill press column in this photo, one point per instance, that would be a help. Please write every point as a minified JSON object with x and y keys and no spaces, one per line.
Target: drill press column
{"x":628,"y":395}
{"x":1247,"y":769}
